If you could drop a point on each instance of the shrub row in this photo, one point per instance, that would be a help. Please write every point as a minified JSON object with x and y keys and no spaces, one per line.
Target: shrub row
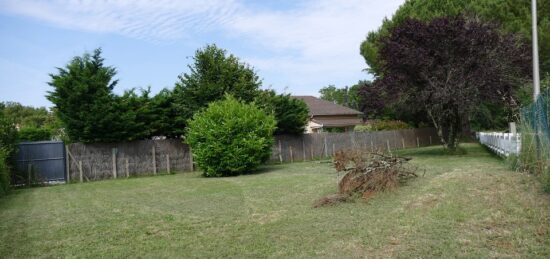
{"x":379,"y":125}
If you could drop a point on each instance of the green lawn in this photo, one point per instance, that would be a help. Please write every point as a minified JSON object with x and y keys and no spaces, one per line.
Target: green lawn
{"x":468,"y":206}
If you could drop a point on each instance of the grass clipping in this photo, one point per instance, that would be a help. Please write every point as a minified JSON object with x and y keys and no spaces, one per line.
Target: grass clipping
{"x":365,"y":174}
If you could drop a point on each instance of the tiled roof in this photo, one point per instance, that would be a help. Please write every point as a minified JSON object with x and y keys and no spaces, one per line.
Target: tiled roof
{"x":321,"y":107}
{"x":338,"y":123}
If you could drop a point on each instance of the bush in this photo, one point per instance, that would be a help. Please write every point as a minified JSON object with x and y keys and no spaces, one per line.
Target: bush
{"x":8,"y":140}
{"x":34,"y":134}
{"x":4,"y":173}
{"x":291,"y":113}
{"x":230,"y":137}
{"x":8,"y":134}
{"x":379,"y":125}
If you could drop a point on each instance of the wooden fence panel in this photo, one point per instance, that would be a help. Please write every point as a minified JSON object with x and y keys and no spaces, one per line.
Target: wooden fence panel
{"x":130,"y":158}
{"x":323,"y":145}
{"x":91,"y":162}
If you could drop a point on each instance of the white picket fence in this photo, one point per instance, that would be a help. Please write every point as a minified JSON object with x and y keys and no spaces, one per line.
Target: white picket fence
{"x":504,"y":144}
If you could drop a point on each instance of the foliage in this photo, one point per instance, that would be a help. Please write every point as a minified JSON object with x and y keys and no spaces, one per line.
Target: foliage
{"x":334,"y":130}
{"x":33,"y":119}
{"x":379,"y":125}
{"x":230,"y":137}
{"x":27,"y":116}
{"x":8,"y":133}
{"x":545,"y":83}
{"x":372,"y":100}
{"x":489,"y":116}
{"x":446,"y":67}
{"x":84,"y":102}
{"x":347,"y":96}
{"x":149,"y":116}
{"x":86,"y":109}
{"x":4,"y":172}
{"x":34,"y":134}
{"x":513,"y":15}
{"x":291,"y":114}
{"x":8,"y":139}
{"x":213,"y":74}
{"x":535,"y":139}
{"x":163,"y":115}
{"x":135,"y":111}
{"x":375,"y":106}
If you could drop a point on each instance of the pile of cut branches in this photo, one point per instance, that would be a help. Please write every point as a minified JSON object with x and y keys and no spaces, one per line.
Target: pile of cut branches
{"x":366,"y":173}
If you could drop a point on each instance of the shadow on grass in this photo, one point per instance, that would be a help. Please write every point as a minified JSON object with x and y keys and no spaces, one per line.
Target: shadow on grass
{"x":263,"y":169}
{"x":488,"y":152}
{"x":428,"y":151}
{"x":266,"y":169}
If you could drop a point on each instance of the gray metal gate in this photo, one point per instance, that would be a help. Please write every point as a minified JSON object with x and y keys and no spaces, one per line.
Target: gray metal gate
{"x":41,"y":161}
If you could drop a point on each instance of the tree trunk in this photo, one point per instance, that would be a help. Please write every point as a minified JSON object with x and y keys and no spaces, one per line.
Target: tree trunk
{"x":438,"y":128}
{"x":448,"y":132}
{"x":466,"y":130}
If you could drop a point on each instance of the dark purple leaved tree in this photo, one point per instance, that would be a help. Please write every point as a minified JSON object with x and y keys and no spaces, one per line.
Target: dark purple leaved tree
{"x":448,"y":66}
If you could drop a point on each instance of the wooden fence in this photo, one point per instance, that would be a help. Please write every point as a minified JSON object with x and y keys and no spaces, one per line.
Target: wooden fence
{"x":89,"y":162}
{"x":323,"y":145}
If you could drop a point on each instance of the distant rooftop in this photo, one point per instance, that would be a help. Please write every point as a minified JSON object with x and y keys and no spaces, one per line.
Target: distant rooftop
{"x":321,"y":107}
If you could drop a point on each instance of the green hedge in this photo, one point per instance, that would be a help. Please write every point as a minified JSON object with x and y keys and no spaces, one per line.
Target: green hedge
{"x":34,"y":134}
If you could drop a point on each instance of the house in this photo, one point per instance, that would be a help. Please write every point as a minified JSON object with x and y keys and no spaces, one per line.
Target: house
{"x":327,"y":116}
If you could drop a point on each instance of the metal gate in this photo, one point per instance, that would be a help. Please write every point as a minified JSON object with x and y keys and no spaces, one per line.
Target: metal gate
{"x":42,"y":161}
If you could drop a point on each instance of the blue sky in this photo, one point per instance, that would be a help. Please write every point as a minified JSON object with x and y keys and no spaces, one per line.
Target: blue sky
{"x":296,"y":47}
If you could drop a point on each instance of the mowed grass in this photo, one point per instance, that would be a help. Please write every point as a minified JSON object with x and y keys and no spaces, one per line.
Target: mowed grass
{"x":464,"y":206}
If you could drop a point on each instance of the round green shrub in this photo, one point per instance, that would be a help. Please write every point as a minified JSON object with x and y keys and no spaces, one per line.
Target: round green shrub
{"x":230,"y":137}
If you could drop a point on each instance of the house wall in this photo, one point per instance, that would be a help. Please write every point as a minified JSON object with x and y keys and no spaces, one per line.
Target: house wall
{"x":311,"y":127}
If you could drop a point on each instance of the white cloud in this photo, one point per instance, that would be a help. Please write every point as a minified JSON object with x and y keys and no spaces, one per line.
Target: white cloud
{"x":325,"y":37}
{"x":153,"y":20}
{"x":308,"y":46}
